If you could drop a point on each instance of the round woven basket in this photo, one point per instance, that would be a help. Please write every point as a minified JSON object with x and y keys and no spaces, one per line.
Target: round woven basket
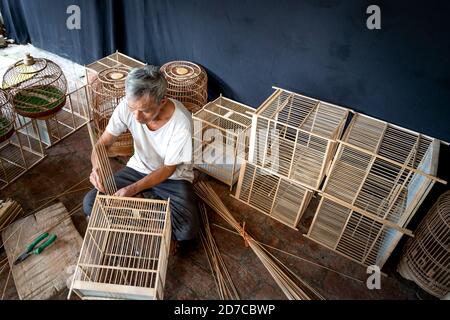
{"x":37,"y":86}
{"x":187,"y":82}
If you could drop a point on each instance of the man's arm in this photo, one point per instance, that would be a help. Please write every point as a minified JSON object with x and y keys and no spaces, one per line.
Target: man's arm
{"x":156,"y":177}
{"x":106,"y":139}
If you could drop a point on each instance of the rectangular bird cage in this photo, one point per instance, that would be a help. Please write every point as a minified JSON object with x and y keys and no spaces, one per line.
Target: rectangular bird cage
{"x":72,"y":116}
{"x":125,"y":250}
{"x":354,"y":234}
{"x":272,"y":194}
{"x":382,"y":173}
{"x":114,"y":60}
{"x":295,"y":136}
{"x":21,"y":152}
{"x":221,"y":138}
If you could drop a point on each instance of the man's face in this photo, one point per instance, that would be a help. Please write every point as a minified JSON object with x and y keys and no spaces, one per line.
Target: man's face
{"x":145,"y":109}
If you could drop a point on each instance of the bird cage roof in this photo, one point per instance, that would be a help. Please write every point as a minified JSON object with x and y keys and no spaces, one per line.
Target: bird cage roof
{"x":116,"y":60}
{"x":306,"y":114}
{"x":38,"y":87}
{"x":183,"y":73}
{"x":226,"y":114}
{"x":111,"y":82}
{"x":7,"y":116}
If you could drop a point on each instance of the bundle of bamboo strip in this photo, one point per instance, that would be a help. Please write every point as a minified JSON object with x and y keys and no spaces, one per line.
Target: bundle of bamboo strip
{"x":292,"y":286}
{"x":9,"y":211}
{"x":224,"y":283}
{"x":101,"y":157}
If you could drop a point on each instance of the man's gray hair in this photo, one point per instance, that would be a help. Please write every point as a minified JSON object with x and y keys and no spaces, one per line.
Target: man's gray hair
{"x":145,"y":81}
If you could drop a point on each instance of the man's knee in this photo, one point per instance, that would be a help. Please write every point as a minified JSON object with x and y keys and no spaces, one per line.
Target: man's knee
{"x":88,"y":201}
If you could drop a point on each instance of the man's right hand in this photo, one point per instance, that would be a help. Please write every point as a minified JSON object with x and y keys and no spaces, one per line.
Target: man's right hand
{"x":96,"y":180}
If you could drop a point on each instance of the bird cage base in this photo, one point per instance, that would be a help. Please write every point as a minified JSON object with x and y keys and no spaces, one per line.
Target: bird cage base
{"x":6,"y":135}
{"x":276,"y":196}
{"x":125,"y":250}
{"x":221,"y":138}
{"x":19,"y":153}
{"x":37,"y":112}
{"x":122,"y":147}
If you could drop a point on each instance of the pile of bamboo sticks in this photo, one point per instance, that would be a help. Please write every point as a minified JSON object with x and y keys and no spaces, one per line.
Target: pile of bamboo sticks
{"x":222,"y":278}
{"x":292,"y":286}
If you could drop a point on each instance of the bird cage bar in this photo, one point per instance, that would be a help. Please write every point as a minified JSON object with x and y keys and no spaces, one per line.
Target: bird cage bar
{"x":221,"y":137}
{"x":125,"y":250}
{"x":115,"y":60}
{"x":295,"y":136}
{"x":426,"y":258}
{"x":272,"y":194}
{"x":21,"y":152}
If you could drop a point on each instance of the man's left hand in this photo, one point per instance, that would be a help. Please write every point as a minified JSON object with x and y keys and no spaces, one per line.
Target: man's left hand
{"x":127,"y":191}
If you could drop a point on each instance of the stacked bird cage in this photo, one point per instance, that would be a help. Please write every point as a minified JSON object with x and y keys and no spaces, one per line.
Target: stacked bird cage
{"x":426,"y":257}
{"x":115,"y":60}
{"x":125,"y":250}
{"x":380,"y":175}
{"x":107,"y":91}
{"x":187,"y":82}
{"x":221,"y":138}
{"x":19,"y":150}
{"x":37,"y":86}
{"x":293,"y":140}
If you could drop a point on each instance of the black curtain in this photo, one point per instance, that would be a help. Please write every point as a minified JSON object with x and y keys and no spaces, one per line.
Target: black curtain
{"x":321,"y":48}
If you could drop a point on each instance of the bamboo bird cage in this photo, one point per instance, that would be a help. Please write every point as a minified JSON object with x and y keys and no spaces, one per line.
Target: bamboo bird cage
{"x":37,"y":86}
{"x":295,"y":136}
{"x":20,"y":150}
{"x":115,"y":60}
{"x":187,"y":82}
{"x":274,"y":195}
{"x":107,"y":91}
{"x":426,"y":258}
{"x":221,"y":138}
{"x":125,"y":250}
{"x":379,"y":177}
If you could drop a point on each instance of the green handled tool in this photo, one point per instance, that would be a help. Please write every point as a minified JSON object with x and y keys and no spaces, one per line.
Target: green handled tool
{"x":31,"y":247}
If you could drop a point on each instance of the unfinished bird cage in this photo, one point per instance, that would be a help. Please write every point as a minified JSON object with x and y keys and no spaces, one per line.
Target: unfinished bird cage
{"x":426,"y":257}
{"x":115,"y":60}
{"x":381,"y":173}
{"x":107,"y":91}
{"x":19,"y":150}
{"x":295,"y":136}
{"x":187,"y":82}
{"x":37,"y":86}
{"x":125,"y":250}
{"x":276,"y":196}
{"x":221,"y":138}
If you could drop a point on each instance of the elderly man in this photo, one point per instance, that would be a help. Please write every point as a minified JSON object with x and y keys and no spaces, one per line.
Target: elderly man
{"x":161,"y":165}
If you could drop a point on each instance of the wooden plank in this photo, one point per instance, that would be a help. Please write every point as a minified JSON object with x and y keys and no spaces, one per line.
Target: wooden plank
{"x":42,"y":276}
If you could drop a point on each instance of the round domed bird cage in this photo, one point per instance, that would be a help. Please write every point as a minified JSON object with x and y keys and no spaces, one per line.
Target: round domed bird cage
{"x":7,"y":117}
{"x":37,"y":86}
{"x":187,"y":82}
{"x":108,"y":90}
{"x":426,"y":257}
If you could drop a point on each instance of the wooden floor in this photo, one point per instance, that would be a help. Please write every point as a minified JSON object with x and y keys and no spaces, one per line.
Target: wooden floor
{"x":188,"y":275}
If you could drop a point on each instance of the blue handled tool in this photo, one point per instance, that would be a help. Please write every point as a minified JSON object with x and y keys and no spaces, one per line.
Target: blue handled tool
{"x":31,"y":247}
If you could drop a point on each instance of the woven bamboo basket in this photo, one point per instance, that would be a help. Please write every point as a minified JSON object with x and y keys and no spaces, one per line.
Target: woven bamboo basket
{"x":7,"y":116}
{"x":221,"y":138}
{"x":426,"y":257}
{"x":187,"y":82}
{"x":37,"y":86}
{"x":125,"y":250}
{"x":107,"y":91}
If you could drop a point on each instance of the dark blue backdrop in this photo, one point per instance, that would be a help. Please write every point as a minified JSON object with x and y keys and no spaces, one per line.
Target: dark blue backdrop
{"x":321,"y":48}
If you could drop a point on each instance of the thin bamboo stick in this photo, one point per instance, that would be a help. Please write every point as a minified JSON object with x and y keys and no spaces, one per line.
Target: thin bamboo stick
{"x":283,"y":276}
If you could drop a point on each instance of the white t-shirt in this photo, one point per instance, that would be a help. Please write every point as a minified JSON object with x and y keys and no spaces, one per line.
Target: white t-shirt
{"x":169,"y":145}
